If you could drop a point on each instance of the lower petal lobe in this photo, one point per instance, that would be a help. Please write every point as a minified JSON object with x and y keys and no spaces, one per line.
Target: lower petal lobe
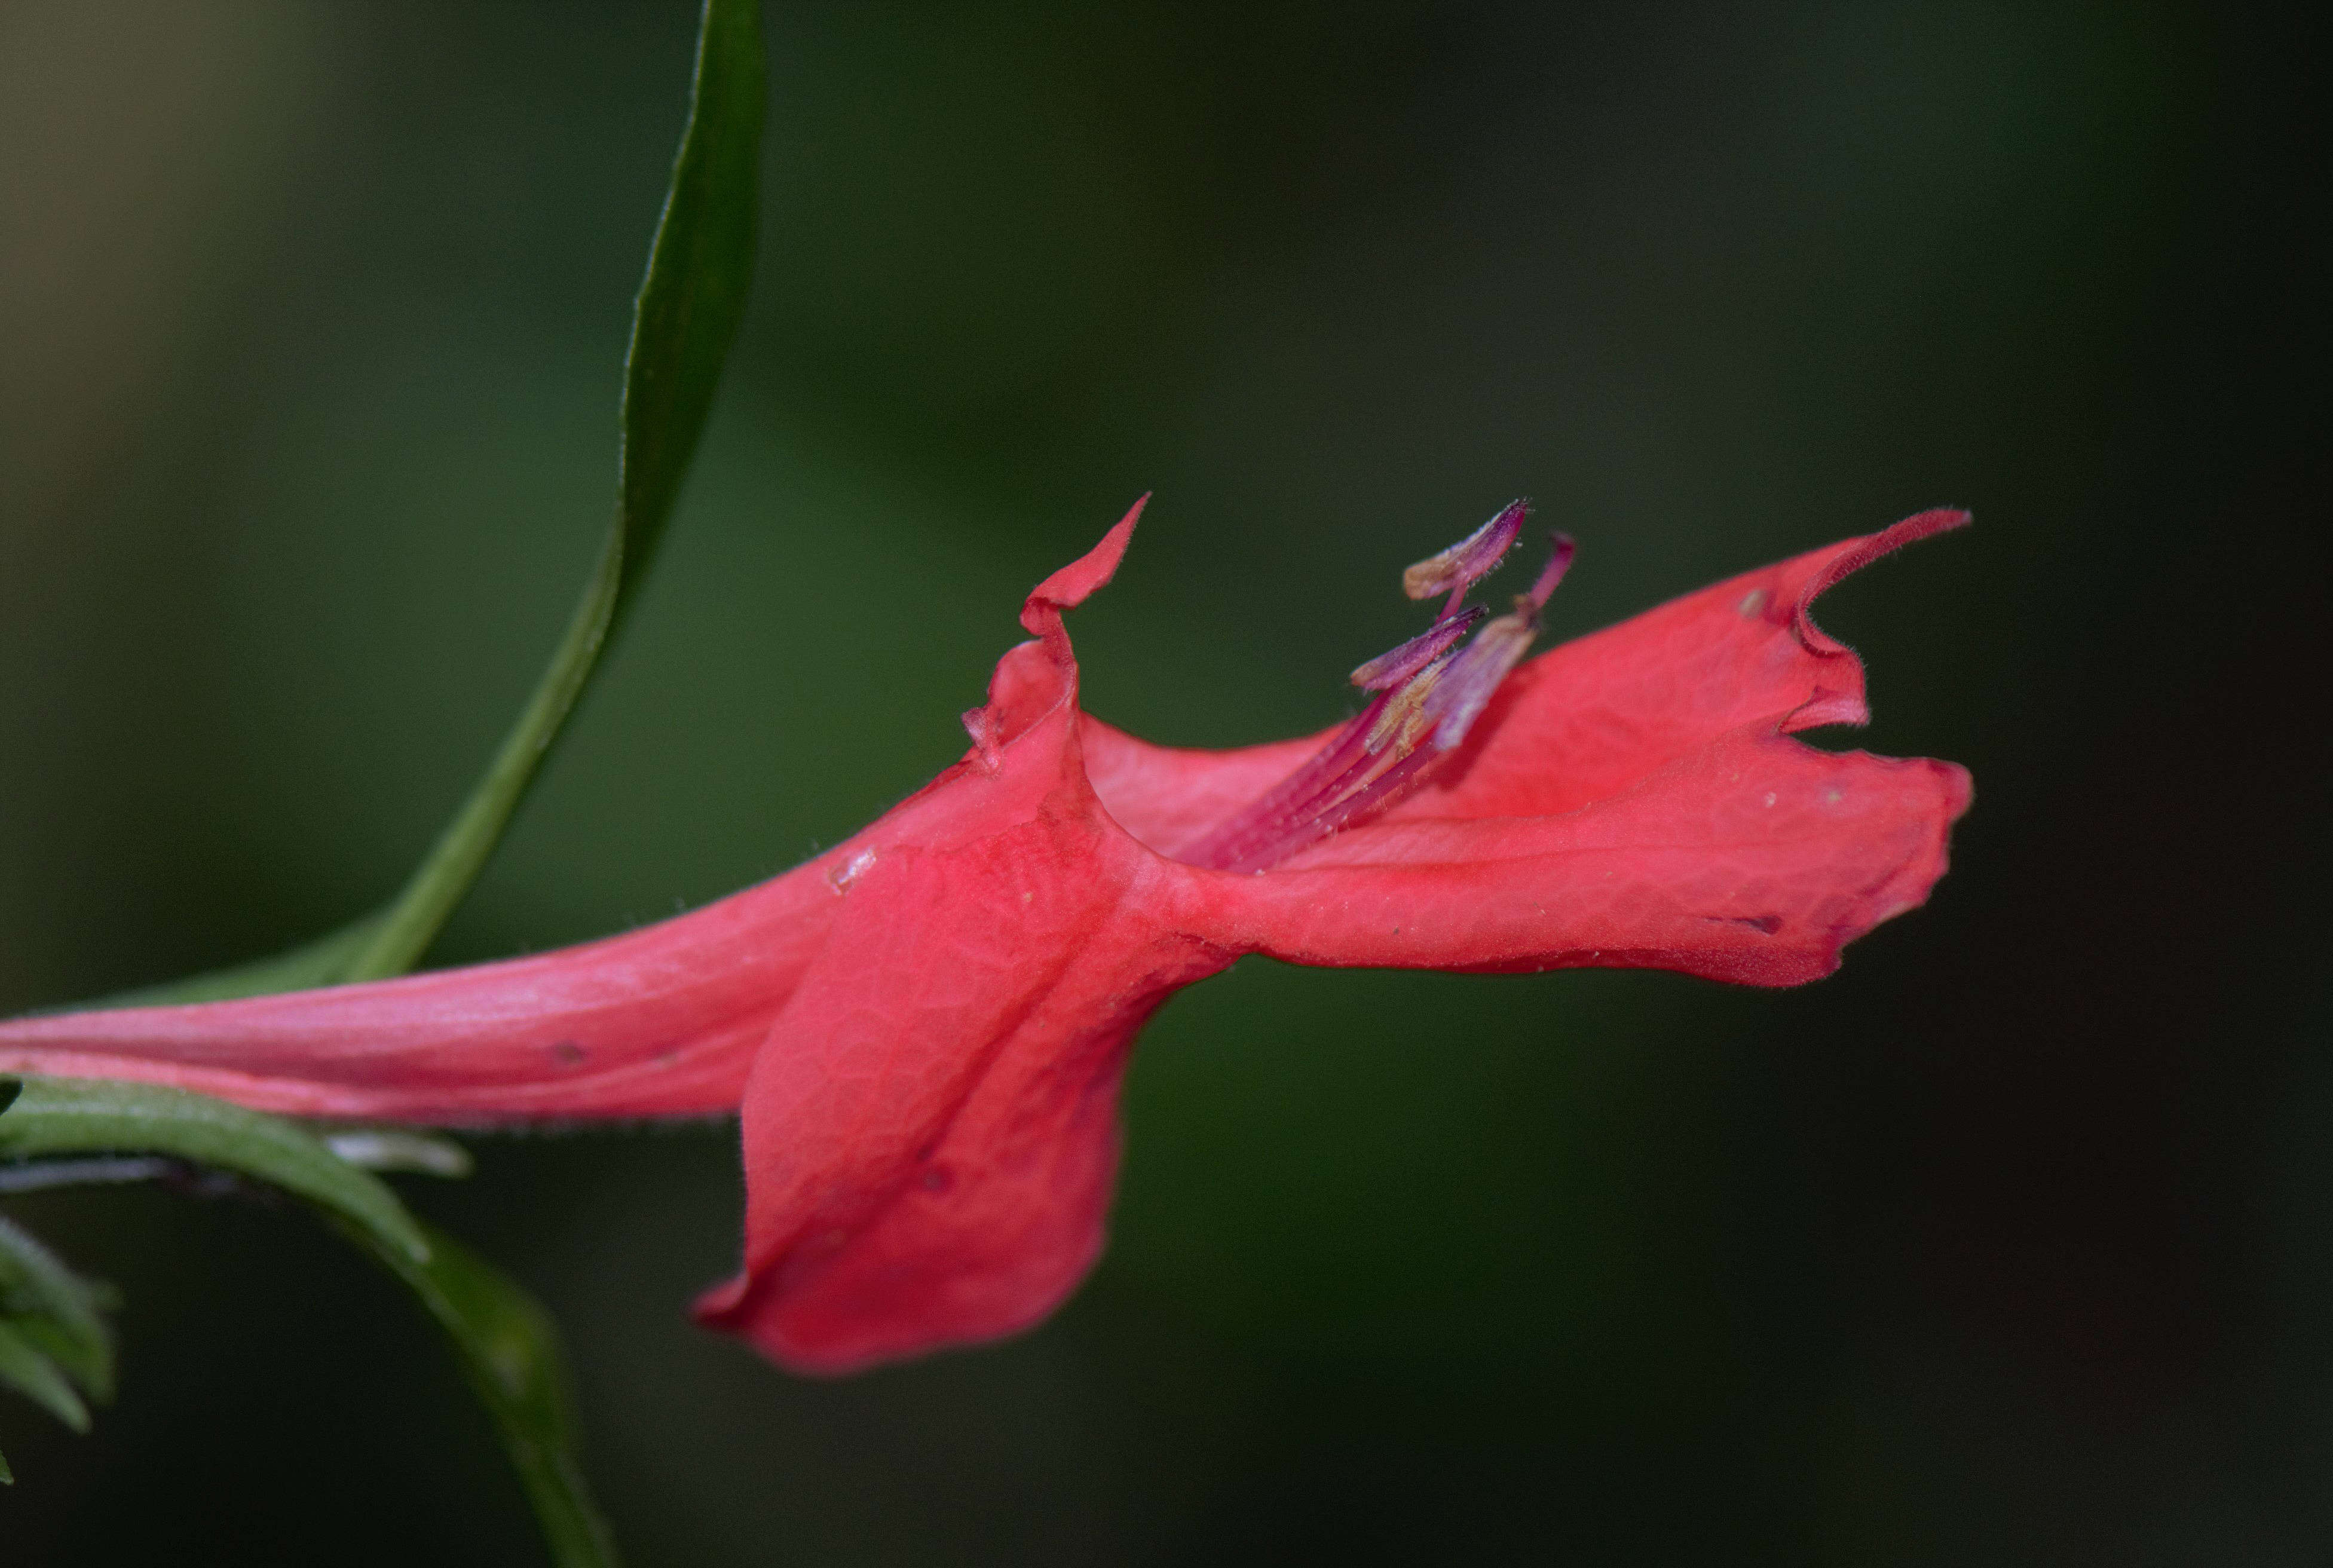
{"x":931,"y":1130}
{"x":1753,"y":860}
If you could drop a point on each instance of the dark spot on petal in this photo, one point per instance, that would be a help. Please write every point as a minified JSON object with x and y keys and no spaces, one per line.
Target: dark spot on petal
{"x":567,"y":1054}
{"x":939,"y":1179}
{"x":1765,"y":925}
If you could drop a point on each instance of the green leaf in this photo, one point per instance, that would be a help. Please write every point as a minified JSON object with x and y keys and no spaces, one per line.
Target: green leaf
{"x":7,"y":1476}
{"x":510,"y":1352}
{"x":70,"y":1116}
{"x":684,"y":321}
{"x":24,"y":1367}
{"x":507,"y":1346}
{"x":700,"y":269}
{"x":56,"y":1308}
{"x":91,"y":1367}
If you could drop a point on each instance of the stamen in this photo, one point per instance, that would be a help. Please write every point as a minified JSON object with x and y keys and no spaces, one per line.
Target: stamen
{"x":1430,"y":691}
{"x":1475,"y":556}
{"x":1460,"y":697}
{"x":1390,"y":669}
{"x":1561,"y":551}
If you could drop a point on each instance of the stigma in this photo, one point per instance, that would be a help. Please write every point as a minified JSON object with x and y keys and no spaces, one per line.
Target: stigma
{"x":1426,"y":695}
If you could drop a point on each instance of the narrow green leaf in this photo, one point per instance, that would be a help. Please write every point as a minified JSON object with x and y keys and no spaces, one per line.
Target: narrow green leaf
{"x":508,"y":1348}
{"x":56,"y":1309}
{"x":7,"y":1476}
{"x":684,"y":321}
{"x":69,"y":1116}
{"x":23,"y":1368}
{"x":90,"y":1370}
{"x":700,"y":269}
{"x":510,"y":1353}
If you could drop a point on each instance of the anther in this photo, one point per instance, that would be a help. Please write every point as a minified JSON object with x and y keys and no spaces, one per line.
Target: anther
{"x":1475,"y":556}
{"x":1430,"y":691}
{"x":1464,"y":689}
{"x":1390,"y":669}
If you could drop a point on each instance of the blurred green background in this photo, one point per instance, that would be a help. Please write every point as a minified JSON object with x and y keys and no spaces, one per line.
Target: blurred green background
{"x":2012,"y":1243}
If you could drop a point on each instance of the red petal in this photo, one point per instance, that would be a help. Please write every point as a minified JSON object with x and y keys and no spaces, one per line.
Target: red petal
{"x":1074,"y":583}
{"x":660,"y":1021}
{"x":1752,"y":860}
{"x":1587,"y":719}
{"x":931,"y":1132}
{"x":1169,"y":797}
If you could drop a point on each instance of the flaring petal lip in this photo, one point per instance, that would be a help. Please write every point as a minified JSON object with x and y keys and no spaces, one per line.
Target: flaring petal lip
{"x":926,"y":1027}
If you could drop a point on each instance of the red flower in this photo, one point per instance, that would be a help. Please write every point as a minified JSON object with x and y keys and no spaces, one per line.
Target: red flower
{"x":926,"y":1026}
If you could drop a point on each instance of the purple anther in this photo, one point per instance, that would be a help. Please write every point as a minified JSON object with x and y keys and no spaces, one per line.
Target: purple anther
{"x":1429,"y":692}
{"x":1469,"y":559}
{"x":1475,"y":672}
{"x":1464,"y":689}
{"x":1388,"y":670}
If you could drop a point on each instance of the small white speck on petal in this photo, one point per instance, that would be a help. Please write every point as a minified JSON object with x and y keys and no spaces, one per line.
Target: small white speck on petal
{"x":850,"y":870}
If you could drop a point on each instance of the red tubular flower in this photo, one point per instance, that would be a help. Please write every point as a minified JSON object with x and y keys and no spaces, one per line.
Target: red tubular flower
{"x":926,"y":1026}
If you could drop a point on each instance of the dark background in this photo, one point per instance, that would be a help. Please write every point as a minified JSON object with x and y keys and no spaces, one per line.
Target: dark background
{"x":2012,"y":1243}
